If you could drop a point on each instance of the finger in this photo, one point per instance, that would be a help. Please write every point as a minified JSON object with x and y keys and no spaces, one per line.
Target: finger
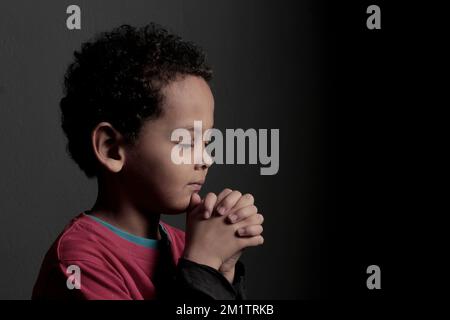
{"x":223,"y":194}
{"x":209,"y":202}
{"x":228,"y":202}
{"x":242,"y":213}
{"x":245,"y":201}
{"x":195,"y":207}
{"x":253,"y":219}
{"x":250,"y":231}
{"x":251,"y":241}
{"x":194,"y":201}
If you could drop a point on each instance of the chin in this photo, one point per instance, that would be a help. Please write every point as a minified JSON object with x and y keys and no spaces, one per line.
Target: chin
{"x":178,"y":208}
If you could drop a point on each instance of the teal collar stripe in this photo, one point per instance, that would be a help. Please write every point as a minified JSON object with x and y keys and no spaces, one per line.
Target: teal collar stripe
{"x":149,"y":243}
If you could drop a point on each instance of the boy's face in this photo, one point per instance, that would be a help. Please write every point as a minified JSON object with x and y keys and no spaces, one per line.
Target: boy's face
{"x":155,"y":183}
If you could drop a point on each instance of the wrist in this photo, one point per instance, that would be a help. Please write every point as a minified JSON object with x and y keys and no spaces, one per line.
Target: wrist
{"x":200,"y":259}
{"x":229,"y":275}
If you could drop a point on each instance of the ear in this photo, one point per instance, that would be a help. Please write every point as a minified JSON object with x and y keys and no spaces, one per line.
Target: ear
{"x":109,"y":147}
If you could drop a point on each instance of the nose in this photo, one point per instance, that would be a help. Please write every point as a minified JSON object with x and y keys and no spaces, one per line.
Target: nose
{"x":206,"y":162}
{"x":202,"y":166}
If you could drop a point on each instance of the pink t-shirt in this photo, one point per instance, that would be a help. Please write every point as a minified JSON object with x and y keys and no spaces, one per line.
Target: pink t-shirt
{"x":111,"y":266}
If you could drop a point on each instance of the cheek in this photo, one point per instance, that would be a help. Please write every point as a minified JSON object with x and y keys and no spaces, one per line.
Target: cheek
{"x":173,"y":177}
{"x":174,"y":189}
{"x":165,"y":169}
{"x":166,"y":181}
{"x":171,"y":188}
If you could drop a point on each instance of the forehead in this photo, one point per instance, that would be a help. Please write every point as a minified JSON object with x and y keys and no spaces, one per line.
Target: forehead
{"x":187,"y":100}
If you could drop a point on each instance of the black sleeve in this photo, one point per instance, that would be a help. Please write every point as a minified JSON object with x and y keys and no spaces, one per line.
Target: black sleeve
{"x":200,"y":282}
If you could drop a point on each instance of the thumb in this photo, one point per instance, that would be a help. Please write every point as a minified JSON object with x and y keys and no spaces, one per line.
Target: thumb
{"x":195,"y":201}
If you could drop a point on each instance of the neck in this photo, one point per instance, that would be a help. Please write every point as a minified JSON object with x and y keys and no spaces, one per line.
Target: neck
{"x":115,"y":207}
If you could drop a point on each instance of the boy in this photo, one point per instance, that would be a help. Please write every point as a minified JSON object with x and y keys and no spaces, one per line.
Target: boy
{"x":125,"y":94}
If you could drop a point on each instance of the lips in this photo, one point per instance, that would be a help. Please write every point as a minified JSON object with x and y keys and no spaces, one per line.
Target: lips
{"x":201,"y":182}
{"x":196,"y":185}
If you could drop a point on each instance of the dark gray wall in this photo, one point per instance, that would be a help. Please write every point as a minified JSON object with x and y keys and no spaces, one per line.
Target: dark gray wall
{"x":267,"y":75}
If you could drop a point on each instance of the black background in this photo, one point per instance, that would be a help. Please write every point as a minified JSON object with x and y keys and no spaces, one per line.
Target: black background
{"x":337,"y":91}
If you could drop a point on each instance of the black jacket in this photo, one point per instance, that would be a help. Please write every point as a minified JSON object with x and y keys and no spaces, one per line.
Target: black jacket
{"x":196,"y":282}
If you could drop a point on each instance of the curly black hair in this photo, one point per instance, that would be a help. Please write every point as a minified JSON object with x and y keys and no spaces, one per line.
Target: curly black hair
{"x":117,"y":78}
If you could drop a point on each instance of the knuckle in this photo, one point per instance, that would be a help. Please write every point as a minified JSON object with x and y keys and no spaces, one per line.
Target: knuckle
{"x":226,"y":203}
{"x":242,"y":231}
{"x":239,"y":213}
{"x":256,"y":229}
{"x":229,"y":201}
{"x":243,"y":212}
{"x":255,"y":219}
